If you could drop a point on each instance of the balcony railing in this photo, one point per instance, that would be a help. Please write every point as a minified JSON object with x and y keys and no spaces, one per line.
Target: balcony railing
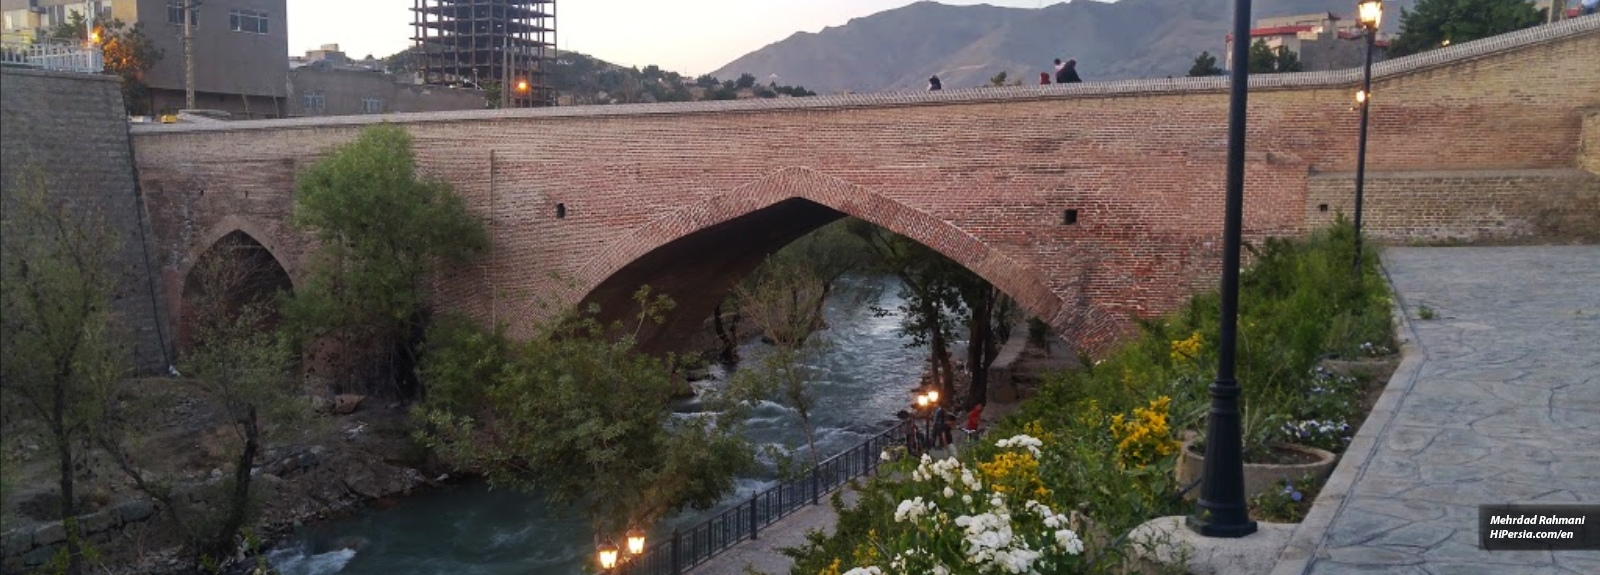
{"x":62,"y":57}
{"x":691,"y":547}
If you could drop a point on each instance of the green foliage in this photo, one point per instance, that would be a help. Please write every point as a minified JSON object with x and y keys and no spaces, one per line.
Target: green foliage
{"x":128,"y":52}
{"x":383,"y":233}
{"x":1431,"y":24}
{"x":1425,"y":312}
{"x":1288,"y":504}
{"x":998,"y":80}
{"x":243,"y":366}
{"x":745,"y":82}
{"x":1267,"y":60}
{"x":493,"y":91}
{"x":580,"y":415}
{"x":1205,"y":65}
{"x":58,"y":353}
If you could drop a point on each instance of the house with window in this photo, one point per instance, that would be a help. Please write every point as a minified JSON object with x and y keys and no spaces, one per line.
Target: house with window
{"x":1322,"y":41}
{"x":241,"y":47}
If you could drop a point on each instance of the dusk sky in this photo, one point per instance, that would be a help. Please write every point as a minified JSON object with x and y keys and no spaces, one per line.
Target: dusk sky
{"x":686,"y":36}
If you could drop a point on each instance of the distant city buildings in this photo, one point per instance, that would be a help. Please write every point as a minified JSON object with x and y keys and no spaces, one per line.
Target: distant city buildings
{"x":1323,"y":41}
{"x":326,"y":82}
{"x":241,"y":61}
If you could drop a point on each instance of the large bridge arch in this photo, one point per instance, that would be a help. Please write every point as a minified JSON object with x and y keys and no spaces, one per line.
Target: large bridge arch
{"x":251,"y":272}
{"x":698,"y":253}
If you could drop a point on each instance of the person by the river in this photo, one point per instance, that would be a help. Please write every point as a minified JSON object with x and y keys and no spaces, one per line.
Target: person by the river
{"x":974,"y":418}
{"x":1044,"y":78}
{"x":941,"y":428}
{"x":908,"y":427}
{"x":934,"y":84}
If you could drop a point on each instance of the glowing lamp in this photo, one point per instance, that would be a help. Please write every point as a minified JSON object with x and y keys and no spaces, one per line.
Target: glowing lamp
{"x":933,"y":396}
{"x":608,"y":555}
{"x":635,"y":541}
{"x":1361,"y":96}
{"x":522,"y":85}
{"x":922,"y":401}
{"x":94,"y":37}
{"x":1370,"y":13}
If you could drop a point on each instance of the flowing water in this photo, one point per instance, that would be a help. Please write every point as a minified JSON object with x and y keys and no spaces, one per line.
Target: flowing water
{"x":865,"y":376}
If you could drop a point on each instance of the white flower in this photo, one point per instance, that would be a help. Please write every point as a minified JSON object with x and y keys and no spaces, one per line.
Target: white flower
{"x":864,"y":571}
{"x":967,"y":499}
{"x":1030,"y":443}
{"x":1069,"y":542}
{"x":885,"y":455}
{"x":910,"y":510}
{"x":948,"y":492}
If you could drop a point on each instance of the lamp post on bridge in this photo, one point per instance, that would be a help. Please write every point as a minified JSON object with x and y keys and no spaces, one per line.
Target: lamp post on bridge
{"x":1221,"y":511}
{"x":1369,"y":15}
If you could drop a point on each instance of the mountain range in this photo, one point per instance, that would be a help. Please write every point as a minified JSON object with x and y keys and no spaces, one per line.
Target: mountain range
{"x":966,"y":45}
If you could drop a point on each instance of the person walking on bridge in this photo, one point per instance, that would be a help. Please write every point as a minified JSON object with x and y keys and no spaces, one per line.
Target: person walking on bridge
{"x":1067,"y":72}
{"x":934,"y":85}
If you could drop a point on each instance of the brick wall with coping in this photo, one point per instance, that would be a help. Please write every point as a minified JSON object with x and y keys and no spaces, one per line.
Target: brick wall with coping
{"x":983,"y":175}
{"x":72,"y":129}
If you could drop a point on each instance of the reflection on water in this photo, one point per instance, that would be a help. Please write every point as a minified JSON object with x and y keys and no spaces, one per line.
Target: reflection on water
{"x":863,"y":379}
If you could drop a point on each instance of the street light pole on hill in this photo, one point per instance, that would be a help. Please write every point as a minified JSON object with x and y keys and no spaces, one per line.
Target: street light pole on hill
{"x":1222,"y":511}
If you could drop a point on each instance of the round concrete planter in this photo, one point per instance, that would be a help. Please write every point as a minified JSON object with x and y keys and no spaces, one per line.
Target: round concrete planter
{"x":1258,"y":477}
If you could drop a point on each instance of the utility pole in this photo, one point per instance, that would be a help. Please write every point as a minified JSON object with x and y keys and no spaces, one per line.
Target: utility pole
{"x":188,"y":52}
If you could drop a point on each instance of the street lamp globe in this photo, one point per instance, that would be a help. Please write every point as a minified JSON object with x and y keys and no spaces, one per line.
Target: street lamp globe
{"x":1370,"y":13}
{"x":933,"y":396}
{"x":608,"y":555}
{"x":522,"y":85}
{"x":922,"y":401}
{"x":1361,"y":96}
{"x":635,"y":541}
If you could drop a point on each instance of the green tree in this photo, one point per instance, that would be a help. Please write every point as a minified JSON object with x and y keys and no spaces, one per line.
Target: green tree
{"x":128,"y":53}
{"x":998,"y":80}
{"x":785,"y":303}
{"x":492,"y":92}
{"x":1265,"y":59}
{"x":58,"y":358}
{"x":578,"y":414}
{"x":243,"y":366}
{"x":382,"y":234}
{"x":745,"y":81}
{"x":932,"y":300}
{"x":1434,"y":23}
{"x":1205,"y":65}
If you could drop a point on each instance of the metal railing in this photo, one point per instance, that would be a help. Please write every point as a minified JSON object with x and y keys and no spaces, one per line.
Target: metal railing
{"x":65,"y":57}
{"x":690,"y":547}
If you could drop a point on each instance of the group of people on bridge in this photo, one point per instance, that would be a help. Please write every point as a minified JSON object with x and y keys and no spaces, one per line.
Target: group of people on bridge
{"x":1066,"y":73}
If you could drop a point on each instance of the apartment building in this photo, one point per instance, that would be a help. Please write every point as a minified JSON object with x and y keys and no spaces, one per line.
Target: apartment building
{"x":241,"y":48}
{"x":1323,"y":41}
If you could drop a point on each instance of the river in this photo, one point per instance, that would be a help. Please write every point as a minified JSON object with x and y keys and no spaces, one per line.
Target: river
{"x":866,"y":375}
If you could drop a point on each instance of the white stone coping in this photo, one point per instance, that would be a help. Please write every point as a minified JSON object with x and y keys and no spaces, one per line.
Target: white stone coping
{"x":1308,"y":537}
{"x":1569,"y":28}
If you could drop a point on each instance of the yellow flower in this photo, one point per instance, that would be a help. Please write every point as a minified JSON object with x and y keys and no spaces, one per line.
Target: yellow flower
{"x":1186,"y":348}
{"x":1145,"y":437}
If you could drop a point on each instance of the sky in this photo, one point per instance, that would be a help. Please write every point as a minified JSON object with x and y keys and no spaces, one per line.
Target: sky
{"x":685,"y":36}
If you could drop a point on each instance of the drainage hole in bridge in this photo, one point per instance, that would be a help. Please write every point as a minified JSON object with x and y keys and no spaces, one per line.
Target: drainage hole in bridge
{"x":561,"y":211}
{"x":1069,"y":217}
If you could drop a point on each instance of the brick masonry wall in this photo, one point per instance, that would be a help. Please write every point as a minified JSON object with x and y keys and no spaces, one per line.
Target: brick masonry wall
{"x":72,"y":128}
{"x":1464,"y":206}
{"x":1590,"y":159}
{"x":651,"y":192}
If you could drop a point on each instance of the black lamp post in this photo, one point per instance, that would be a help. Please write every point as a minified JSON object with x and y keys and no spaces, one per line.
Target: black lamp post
{"x":1369,"y":14}
{"x":1222,"y":511}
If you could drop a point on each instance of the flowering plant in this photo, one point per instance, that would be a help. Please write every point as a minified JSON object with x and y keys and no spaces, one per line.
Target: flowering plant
{"x":1146,"y":437}
{"x":988,"y":518}
{"x":1332,"y":435}
{"x":1289,"y":504}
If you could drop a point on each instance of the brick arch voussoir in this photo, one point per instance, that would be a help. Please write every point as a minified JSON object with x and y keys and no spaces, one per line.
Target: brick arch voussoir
{"x":228,"y":225}
{"x":1022,"y":282}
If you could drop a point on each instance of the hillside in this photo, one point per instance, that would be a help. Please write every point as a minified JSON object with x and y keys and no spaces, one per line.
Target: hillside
{"x":966,"y":45}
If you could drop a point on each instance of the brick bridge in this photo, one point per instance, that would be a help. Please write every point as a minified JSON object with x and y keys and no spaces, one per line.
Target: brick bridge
{"x":1090,"y":204}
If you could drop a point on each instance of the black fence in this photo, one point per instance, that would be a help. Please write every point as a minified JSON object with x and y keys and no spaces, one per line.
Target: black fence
{"x":693,"y":546}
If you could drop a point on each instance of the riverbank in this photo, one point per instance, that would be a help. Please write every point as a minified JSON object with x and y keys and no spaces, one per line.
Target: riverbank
{"x":345,"y":463}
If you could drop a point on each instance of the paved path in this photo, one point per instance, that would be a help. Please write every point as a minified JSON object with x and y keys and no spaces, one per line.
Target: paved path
{"x":1504,"y":408}
{"x":762,"y":555}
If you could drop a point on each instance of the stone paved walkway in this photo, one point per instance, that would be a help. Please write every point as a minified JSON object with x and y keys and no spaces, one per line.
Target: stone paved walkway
{"x":1504,"y":408}
{"x":762,"y":555}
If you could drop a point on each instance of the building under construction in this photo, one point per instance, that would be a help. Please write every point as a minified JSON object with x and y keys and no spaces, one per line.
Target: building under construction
{"x":475,"y":42}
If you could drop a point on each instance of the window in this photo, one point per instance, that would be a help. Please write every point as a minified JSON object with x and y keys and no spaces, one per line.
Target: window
{"x":252,"y":21}
{"x":54,"y":16}
{"x":175,"y":12}
{"x":372,"y":105}
{"x":313,"y":102}
{"x":16,"y":19}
